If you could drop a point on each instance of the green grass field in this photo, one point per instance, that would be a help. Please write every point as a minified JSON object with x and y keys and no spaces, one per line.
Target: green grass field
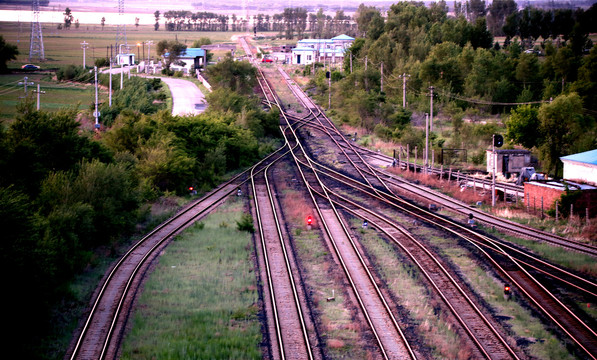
{"x":57,"y":95}
{"x":201,"y":300}
{"x":63,"y":47}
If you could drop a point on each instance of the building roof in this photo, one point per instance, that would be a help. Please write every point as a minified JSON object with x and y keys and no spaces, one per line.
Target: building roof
{"x":343,"y":37}
{"x":587,"y":157}
{"x":303,"y":49}
{"x":190,"y":53}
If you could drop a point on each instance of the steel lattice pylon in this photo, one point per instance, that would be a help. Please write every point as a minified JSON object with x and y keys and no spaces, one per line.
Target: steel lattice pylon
{"x":121,"y":28}
{"x":36,"y":47}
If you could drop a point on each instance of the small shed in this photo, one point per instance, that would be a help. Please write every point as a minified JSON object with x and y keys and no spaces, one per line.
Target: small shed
{"x":303,"y":55}
{"x":508,"y":161}
{"x":546,"y":192}
{"x":581,"y":167}
{"x":125,"y":59}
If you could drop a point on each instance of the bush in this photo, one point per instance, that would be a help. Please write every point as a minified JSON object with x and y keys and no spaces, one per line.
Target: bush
{"x":245,"y":224}
{"x":74,"y":73}
{"x":101,"y":62}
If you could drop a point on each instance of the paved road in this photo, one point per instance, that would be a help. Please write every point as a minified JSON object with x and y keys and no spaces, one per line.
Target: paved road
{"x":186,"y":96}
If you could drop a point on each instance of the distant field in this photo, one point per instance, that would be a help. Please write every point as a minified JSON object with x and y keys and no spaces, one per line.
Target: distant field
{"x":57,"y":95}
{"x":63,"y":47}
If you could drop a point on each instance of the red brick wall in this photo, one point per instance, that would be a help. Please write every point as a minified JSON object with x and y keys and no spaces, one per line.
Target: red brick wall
{"x":550,"y":195}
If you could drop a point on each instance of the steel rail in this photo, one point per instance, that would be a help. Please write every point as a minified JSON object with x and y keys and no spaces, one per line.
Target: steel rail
{"x":124,"y":257}
{"x":344,"y":266}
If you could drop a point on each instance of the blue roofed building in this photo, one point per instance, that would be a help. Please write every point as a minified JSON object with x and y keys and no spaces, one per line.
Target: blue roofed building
{"x":190,"y":59}
{"x":581,"y":167}
{"x":308,"y":51}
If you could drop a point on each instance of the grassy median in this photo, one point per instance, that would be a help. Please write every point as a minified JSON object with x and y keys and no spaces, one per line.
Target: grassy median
{"x":201,"y":300}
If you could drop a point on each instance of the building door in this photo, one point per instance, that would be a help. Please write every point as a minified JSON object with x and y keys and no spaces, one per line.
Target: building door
{"x":298,"y":59}
{"x":505,"y":165}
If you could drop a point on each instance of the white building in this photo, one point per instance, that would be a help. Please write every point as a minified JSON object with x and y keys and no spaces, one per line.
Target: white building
{"x":308,"y":51}
{"x":581,"y":167}
{"x":191,"y":58}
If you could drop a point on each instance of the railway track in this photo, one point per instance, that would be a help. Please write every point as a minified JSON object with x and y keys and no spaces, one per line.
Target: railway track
{"x":101,"y":334}
{"x":578,"y":331}
{"x":286,"y":294}
{"x":373,"y":304}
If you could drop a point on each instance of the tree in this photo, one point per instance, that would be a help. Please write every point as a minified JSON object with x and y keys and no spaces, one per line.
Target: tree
{"x":171,"y":47}
{"x":68,"y":18}
{"x":499,"y":10}
{"x":522,"y":125}
{"x":156,"y":14}
{"x":103,"y":22}
{"x":237,"y":76}
{"x":8,"y":52}
{"x":137,"y":22}
{"x":561,"y":125}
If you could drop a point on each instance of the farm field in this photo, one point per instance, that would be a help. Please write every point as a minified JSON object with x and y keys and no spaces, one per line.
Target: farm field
{"x":57,"y":95}
{"x":63,"y":47}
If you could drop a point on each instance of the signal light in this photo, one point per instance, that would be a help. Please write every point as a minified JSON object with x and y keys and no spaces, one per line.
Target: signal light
{"x":506,"y":289}
{"x":498,"y":140}
{"x":309,"y":220}
{"x":190,"y":188}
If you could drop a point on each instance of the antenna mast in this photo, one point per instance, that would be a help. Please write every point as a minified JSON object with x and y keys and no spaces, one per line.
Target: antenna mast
{"x":36,"y":48}
{"x":121,"y":28}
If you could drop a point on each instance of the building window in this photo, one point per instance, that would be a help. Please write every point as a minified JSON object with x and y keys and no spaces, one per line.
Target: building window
{"x":308,"y":57}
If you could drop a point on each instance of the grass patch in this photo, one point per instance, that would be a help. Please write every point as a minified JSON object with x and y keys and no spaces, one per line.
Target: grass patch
{"x":201,"y":300}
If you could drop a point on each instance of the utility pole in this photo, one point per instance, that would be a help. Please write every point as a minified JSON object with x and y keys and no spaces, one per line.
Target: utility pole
{"x":25,"y":83}
{"x":38,"y":93}
{"x":149,"y":43}
{"x":351,"y":61}
{"x":381,"y":88}
{"x":84,"y":46}
{"x":96,"y":113}
{"x":404,"y":76}
{"x":121,"y":76}
{"x":431,"y":96}
{"x":426,"y":142}
{"x":330,"y":88}
{"x":493,"y":161}
{"x":110,"y":90}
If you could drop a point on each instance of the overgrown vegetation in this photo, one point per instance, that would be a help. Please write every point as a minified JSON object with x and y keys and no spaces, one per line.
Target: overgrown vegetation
{"x":66,"y":192}
{"x":202,"y":298}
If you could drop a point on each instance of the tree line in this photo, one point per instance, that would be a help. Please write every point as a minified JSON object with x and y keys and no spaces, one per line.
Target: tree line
{"x":66,"y":191}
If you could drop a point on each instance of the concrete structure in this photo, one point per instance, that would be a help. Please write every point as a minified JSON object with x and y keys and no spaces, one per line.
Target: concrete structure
{"x":191,"y":58}
{"x":308,"y":51}
{"x":508,"y":161}
{"x":125,"y":59}
{"x":581,"y":167}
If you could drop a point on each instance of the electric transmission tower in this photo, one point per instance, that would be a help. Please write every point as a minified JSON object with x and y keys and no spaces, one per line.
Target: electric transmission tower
{"x":121,"y":28}
{"x":36,"y":47}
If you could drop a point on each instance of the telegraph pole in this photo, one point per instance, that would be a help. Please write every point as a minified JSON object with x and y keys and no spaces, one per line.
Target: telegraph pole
{"x":149,"y":43}
{"x":404,"y":76}
{"x":426,"y":142}
{"x":25,"y":83}
{"x":431,"y":96}
{"x":96,"y":113}
{"x":381,"y":89}
{"x":493,"y":161}
{"x":84,"y":46}
{"x":110,"y":90}
{"x":38,"y":93}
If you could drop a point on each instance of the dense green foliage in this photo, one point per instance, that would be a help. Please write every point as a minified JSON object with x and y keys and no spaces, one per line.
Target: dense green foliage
{"x":7,"y":52}
{"x":64,"y":192}
{"x":139,"y":95}
{"x":472,"y":77}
